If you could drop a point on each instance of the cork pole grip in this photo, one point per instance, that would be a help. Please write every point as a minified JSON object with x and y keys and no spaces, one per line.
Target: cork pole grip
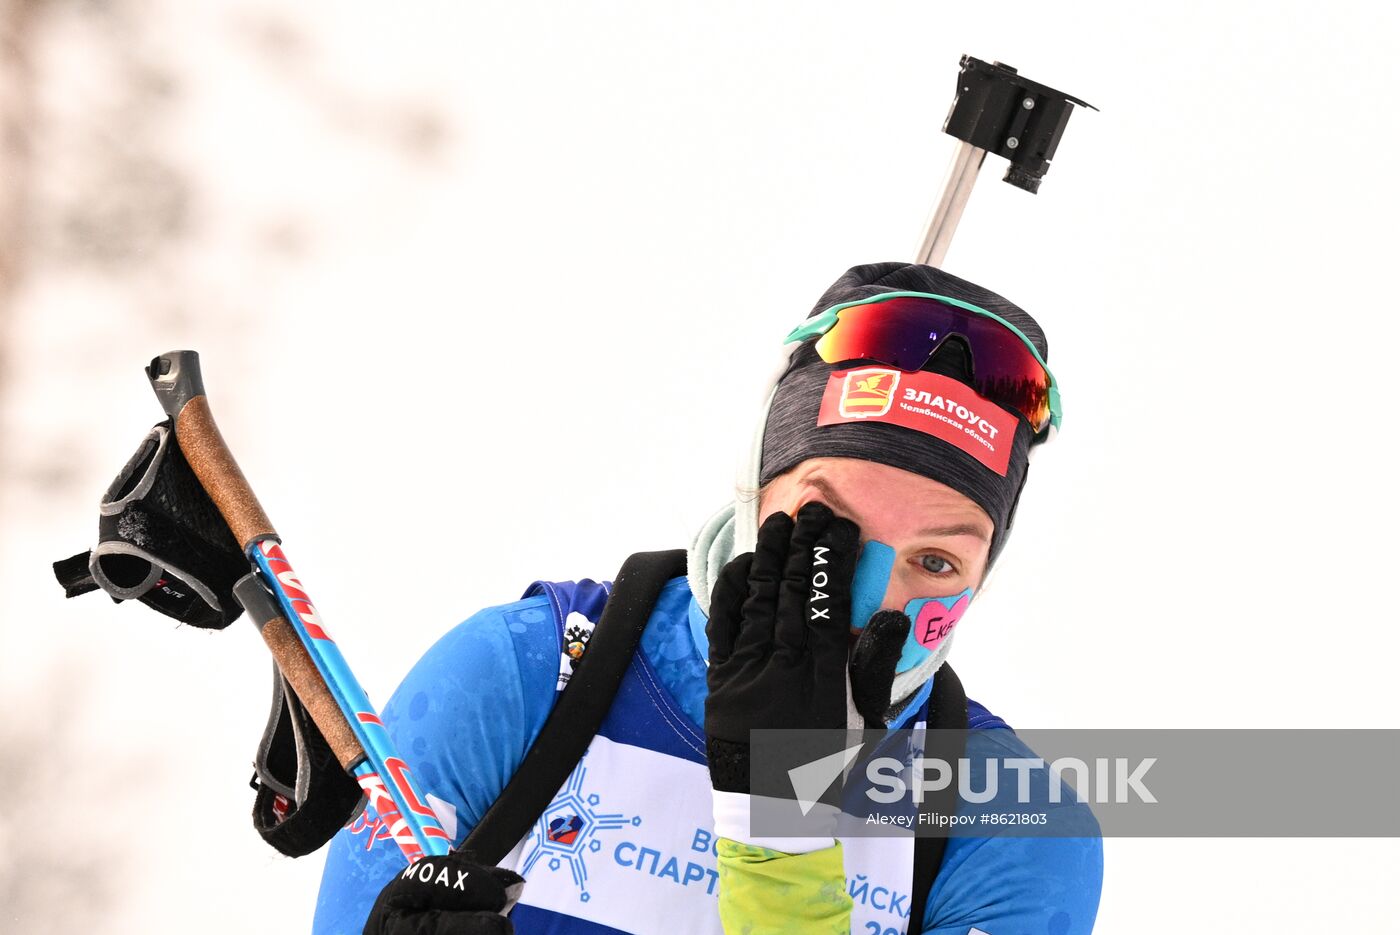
{"x":219,"y":474}
{"x":310,"y":688}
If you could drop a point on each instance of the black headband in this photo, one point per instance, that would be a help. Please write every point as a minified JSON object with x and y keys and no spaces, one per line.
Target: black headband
{"x":792,"y":434}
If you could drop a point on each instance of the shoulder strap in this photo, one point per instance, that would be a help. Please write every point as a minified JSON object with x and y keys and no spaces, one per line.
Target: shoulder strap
{"x":580,"y":708}
{"x":947,"y":711}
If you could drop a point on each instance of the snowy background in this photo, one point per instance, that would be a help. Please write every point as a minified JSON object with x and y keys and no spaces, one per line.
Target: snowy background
{"x":486,"y":292}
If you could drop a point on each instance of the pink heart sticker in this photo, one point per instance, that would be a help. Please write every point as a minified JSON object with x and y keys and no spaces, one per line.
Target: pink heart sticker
{"x":936,"y":621}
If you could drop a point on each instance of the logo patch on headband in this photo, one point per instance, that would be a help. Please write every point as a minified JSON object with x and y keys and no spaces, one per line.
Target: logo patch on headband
{"x":925,"y":402}
{"x":867,"y":393}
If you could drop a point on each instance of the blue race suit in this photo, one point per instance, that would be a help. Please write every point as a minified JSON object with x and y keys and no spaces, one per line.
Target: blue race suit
{"x":627,"y":844}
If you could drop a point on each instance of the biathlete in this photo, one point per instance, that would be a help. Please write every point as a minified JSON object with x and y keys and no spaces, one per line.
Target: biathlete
{"x":882,"y":487}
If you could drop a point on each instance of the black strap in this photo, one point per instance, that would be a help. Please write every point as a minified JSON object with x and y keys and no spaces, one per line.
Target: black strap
{"x":947,"y":711}
{"x":580,"y":708}
{"x":75,"y":576}
{"x":303,"y":795}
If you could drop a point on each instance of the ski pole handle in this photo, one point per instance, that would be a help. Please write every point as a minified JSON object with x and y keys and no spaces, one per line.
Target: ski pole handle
{"x":288,"y":620}
{"x":180,"y":388}
{"x":299,"y":669}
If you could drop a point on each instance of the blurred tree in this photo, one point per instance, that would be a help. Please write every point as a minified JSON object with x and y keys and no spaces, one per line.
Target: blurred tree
{"x":91,"y":192}
{"x":102,"y":210}
{"x":87,"y":187}
{"x":17,"y":104}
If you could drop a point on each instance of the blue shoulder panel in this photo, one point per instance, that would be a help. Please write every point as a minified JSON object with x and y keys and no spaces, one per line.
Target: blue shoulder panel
{"x":1005,"y":883}
{"x":661,"y":701}
{"x":668,"y":645}
{"x":586,"y":597}
{"x":463,"y":717}
{"x":979,"y":718}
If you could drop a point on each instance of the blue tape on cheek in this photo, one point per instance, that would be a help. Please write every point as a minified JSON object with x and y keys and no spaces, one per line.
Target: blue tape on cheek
{"x":912,"y":655}
{"x":872,"y":579}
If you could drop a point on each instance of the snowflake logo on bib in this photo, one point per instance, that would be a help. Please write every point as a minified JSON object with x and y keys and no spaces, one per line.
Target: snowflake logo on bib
{"x":567,"y":831}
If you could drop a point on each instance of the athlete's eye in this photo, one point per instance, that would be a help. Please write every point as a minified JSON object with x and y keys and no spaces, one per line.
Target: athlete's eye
{"x":936,"y":564}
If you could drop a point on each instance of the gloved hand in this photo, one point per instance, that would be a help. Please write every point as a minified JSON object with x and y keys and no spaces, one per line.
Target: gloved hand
{"x":779,"y":631}
{"x":446,"y":896}
{"x":873,"y":661}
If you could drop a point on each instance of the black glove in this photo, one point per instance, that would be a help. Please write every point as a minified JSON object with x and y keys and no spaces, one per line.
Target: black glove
{"x":873,"y":660}
{"x":446,"y":896}
{"x":779,"y":629}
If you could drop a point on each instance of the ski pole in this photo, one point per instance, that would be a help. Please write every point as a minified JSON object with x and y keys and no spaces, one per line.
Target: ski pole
{"x":274,"y":597}
{"x":997,"y":111}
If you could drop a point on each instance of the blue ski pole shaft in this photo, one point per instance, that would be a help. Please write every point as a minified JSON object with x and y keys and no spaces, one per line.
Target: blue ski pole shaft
{"x":273,"y":596}
{"x":366,"y":751}
{"x":384,"y":775}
